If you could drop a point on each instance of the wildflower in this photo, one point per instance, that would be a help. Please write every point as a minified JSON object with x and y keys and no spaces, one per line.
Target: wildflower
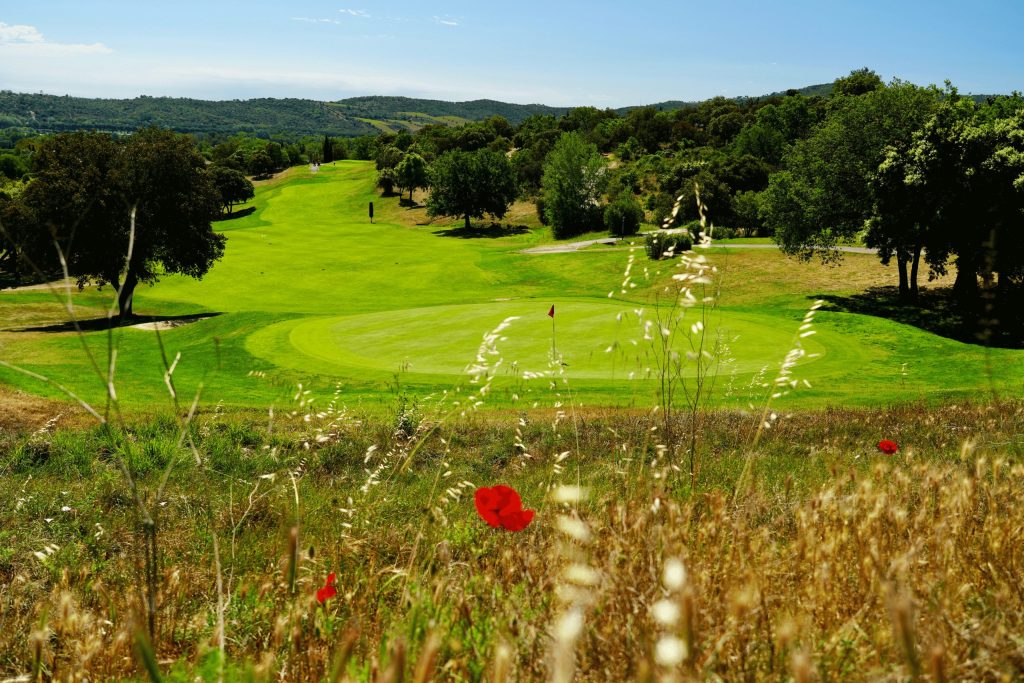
{"x":501,"y":507}
{"x":328,"y":591}
{"x":888,"y":447}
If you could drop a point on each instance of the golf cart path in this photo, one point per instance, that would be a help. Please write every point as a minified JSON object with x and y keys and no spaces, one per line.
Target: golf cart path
{"x":570,"y":247}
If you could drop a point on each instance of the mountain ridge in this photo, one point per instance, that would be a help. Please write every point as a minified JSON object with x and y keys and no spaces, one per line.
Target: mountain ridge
{"x":267,"y":117}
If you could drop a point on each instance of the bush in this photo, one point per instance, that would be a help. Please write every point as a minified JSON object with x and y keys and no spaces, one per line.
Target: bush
{"x":541,"y":213}
{"x":661,"y":207}
{"x":657,"y":243}
{"x":623,"y":217}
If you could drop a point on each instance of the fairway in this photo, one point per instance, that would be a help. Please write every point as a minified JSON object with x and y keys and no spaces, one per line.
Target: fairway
{"x":311,"y":292}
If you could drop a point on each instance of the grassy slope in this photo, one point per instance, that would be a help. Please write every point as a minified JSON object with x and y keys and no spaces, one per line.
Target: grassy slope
{"x":310,"y":292}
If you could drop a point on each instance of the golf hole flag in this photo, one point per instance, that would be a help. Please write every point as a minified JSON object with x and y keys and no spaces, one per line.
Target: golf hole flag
{"x":552,"y":311}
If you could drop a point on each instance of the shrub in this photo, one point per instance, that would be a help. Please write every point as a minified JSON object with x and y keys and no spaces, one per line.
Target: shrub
{"x":660,"y":205}
{"x":623,"y":216}
{"x":541,"y":213}
{"x":658,"y":243}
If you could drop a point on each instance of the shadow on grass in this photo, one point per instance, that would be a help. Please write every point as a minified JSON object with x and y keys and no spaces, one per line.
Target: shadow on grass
{"x":492,"y":231}
{"x":240,"y":213}
{"x":97,"y":324}
{"x":936,"y":311}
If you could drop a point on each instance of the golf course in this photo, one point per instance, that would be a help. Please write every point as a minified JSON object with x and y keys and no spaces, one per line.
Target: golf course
{"x":311,"y":292}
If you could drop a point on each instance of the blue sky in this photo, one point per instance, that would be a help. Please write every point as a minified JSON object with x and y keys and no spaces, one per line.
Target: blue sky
{"x":559,"y":53}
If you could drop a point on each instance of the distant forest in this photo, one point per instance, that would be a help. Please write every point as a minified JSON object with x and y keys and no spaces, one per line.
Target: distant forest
{"x":268,"y":117}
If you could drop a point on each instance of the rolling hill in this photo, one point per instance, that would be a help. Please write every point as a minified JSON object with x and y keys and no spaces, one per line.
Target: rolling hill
{"x":278,"y":117}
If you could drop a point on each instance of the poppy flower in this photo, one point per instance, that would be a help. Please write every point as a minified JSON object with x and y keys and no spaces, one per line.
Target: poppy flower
{"x":502,"y":508}
{"x":328,"y":591}
{"x":888,"y":447}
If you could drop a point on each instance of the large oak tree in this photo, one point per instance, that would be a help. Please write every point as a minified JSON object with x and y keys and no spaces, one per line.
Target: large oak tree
{"x":82,"y":197}
{"x":471,"y":184}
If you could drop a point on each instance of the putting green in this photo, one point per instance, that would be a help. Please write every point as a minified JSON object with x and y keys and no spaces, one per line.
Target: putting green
{"x":598,"y":340}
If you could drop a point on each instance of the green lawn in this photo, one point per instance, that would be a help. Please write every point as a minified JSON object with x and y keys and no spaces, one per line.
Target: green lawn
{"x":309,"y":291}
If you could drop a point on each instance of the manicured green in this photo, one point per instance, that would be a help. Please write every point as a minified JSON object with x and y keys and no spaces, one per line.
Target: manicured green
{"x":310,"y":292}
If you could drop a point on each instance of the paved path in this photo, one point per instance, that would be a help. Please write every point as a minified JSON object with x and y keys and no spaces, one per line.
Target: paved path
{"x":569,"y":247}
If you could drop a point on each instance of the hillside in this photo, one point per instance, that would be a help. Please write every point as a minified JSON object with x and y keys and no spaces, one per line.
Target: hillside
{"x":289,"y":117}
{"x":268,"y":116}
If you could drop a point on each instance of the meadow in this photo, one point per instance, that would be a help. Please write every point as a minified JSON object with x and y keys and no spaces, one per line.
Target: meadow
{"x":340,"y":437}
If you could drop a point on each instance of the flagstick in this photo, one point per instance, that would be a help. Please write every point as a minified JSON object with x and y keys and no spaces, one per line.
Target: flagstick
{"x":554,"y":351}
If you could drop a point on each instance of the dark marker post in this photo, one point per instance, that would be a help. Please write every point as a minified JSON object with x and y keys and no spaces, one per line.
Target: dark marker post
{"x":371,"y":212}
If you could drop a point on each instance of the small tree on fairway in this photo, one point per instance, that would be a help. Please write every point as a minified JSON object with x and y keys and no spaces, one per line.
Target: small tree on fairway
{"x":82,"y":196}
{"x":232,"y":186}
{"x":573,"y":181}
{"x":471,"y":184}
{"x":411,"y":173}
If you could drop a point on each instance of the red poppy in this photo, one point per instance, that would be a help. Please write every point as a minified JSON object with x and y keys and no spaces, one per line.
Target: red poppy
{"x":328,"y":591}
{"x":888,"y":447}
{"x":501,"y":507}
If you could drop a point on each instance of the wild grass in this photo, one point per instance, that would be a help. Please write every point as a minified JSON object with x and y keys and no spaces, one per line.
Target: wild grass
{"x":838,"y":562}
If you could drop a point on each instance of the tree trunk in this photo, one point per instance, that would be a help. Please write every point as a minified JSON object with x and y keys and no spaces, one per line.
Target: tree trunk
{"x":901,"y":265}
{"x":913,"y":271}
{"x":124,"y":298}
{"x":467,"y":221}
{"x":966,"y":284}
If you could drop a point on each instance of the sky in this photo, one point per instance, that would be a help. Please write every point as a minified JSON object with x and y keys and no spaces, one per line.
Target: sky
{"x":560,"y":53}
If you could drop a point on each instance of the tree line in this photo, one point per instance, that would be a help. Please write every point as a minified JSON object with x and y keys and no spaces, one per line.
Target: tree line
{"x":932,"y":179}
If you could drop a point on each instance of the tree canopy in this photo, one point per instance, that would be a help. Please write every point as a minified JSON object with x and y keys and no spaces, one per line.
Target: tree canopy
{"x":573,"y":182}
{"x":232,"y":186}
{"x":471,"y":184}
{"x":87,"y":189}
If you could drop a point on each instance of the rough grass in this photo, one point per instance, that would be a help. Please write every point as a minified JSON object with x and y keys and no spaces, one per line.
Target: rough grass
{"x":829,"y":560}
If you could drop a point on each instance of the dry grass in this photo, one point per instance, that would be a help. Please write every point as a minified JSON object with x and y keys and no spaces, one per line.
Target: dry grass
{"x":834,"y":562}
{"x":752,"y":276}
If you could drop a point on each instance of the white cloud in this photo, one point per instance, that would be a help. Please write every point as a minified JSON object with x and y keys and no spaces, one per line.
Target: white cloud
{"x":310,"y":20}
{"x":19,"y":33}
{"x":445,"y":22}
{"x":24,"y":40}
{"x":355,"y":13}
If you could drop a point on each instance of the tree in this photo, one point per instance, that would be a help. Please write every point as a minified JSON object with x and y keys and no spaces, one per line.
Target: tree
{"x":232,"y":186}
{"x":411,"y":173}
{"x":389,"y":156}
{"x":13,"y":167}
{"x":859,"y":82}
{"x":328,"y":150}
{"x":573,"y":181}
{"x":386,"y":179}
{"x":471,"y":184}
{"x":900,"y":218}
{"x":824,"y":194}
{"x":260,"y":164}
{"x":958,"y":190}
{"x":87,"y":185}
{"x":746,"y":210}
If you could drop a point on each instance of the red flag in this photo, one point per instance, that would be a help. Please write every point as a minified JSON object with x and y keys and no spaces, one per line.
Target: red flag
{"x":552,"y":311}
